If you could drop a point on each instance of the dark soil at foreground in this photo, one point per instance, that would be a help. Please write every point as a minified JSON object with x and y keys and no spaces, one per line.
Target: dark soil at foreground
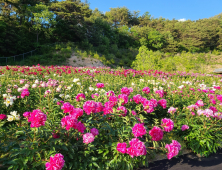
{"x":189,"y":162}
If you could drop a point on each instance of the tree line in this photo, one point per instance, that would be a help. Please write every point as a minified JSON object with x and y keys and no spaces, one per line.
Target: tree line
{"x":24,"y":24}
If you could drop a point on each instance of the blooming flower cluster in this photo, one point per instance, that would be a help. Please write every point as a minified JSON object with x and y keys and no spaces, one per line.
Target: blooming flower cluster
{"x":56,"y":162}
{"x":156,"y":133}
{"x":138,"y":130}
{"x":173,"y":149}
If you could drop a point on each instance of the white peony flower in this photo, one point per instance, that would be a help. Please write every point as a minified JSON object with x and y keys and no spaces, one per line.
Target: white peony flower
{"x":78,"y":83}
{"x":75,"y":80}
{"x":10,"y":118}
{"x":91,"y":88}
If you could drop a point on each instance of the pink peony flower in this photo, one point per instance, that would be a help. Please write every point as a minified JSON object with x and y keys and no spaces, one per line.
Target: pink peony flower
{"x":171,"y":110}
{"x":56,"y":163}
{"x":27,"y":114}
{"x":95,"y":95}
{"x":146,"y":90}
{"x":3,"y":116}
{"x":89,"y":107}
{"x":167,"y":124}
{"x":55,"y":135}
{"x":162,"y":103}
{"x":136,"y":148}
{"x":199,"y":103}
{"x":219,"y":97}
{"x":99,"y":107}
{"x":80,"y":127}
{"x":110,"y":93}
{"x":154,"y":101}
{"x":123,"y":98}
{"x":125,"y":91}
{"x":113,"y":100}
{"x":173,"y":149}
{"x":37,"y":118}
{"x":88,"y":138}
{"x":107,"y":110}
{"x":148,"y":106}
{"x":67,"y":107}
{"x":94,"y":131}
{"x":99,"y":85}
{"x":156,"y":133}
{"x":137,"y":98}
{"x":139,"y":130}
{"x":214,"y":109}
{"x":69,"y":122}
{"x":184,"y":127}
{"x":160,"y":92}
{"x":24,"y":93}
{"x":121,"y":147}
{"x":122,"y":110}
{"x":80,"y":96}
{"x":76,"y":112}
{"x":133,"y":112}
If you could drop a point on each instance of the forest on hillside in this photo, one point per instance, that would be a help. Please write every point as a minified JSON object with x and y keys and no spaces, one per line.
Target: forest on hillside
{"x":24,"y":24}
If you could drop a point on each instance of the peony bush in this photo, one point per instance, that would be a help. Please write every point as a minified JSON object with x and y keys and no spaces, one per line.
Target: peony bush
{"x":61,"y":117}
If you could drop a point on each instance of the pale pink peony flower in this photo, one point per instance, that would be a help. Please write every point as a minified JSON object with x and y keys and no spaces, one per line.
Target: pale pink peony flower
{"x":88,"y":138}
{"x":167,"y":124}
{"x":89,"y":107}
{"x":199,"y":103}
{"x":146,"y":90}
{"x":121,"y":147}
{"x":184,"y":127}
{"x":172,"y":110}
{"x":94,"y":131}
{"x":56,"y":163}
{"x":99,"y":85}
{"x":156,"y":133}
{"x":139,"y":130}
{"x":37,"y":118}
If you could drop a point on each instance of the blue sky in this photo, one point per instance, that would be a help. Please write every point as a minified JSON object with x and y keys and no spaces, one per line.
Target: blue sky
{"x":169,"y":9}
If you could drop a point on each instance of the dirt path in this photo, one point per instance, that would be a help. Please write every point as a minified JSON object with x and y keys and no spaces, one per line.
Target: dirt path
{"x":77,"y":61}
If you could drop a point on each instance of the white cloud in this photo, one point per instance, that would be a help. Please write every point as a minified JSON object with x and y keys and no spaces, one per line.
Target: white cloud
{"x":182,"y":20}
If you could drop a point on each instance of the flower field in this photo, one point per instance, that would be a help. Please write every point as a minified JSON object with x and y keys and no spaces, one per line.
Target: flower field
{"x":61,"y":117}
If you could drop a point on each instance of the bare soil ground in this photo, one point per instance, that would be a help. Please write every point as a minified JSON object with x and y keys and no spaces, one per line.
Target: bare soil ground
{"x":78,"y":61}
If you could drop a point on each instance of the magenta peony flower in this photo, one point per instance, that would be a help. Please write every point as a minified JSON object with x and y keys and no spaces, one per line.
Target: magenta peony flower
{"x":80,"y":96}
{"x":219,"y":97}
{"x":3,"y":116}
{"x":80,"y":127}
{"x":76,"y":112}
{"x":160,"y":92}
{"x":122,"y":110}
{"x":123,"y":98}
{"x":99,"y":85}
{"x":154,"y":101}
{"x":173,"y":149}
{"x":110,"y":93}
{"x":214,"y":109}
{"x":89,"y":107}
{"x":113,"y":100}
{"x":146,"y":90}
{"x":69,"y":122}
{"x":136,"y":148}
{"x":94,"y":131}
{"x":99,"y":107}
{"x":125,"y":91}
{"x":56,"y":163}
{"x":167,"y":124}
{"x":121,"y":147}
{"x":199,"y":103}
{"x":184,"y":127}
{"x":24,"y":93}
{"x":88,"y":138}
{"x":139,"y":130}
{"x":67,"y":107}
{"x":37,"y":118}
{"x":148,"y":106}
{"x":162,"y":103}
{"x":107,"y":110}
{"x":133,"y":112}
{"x":55,"y":135}
{"x":137,"y":98}
{"x":156,"y":133}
